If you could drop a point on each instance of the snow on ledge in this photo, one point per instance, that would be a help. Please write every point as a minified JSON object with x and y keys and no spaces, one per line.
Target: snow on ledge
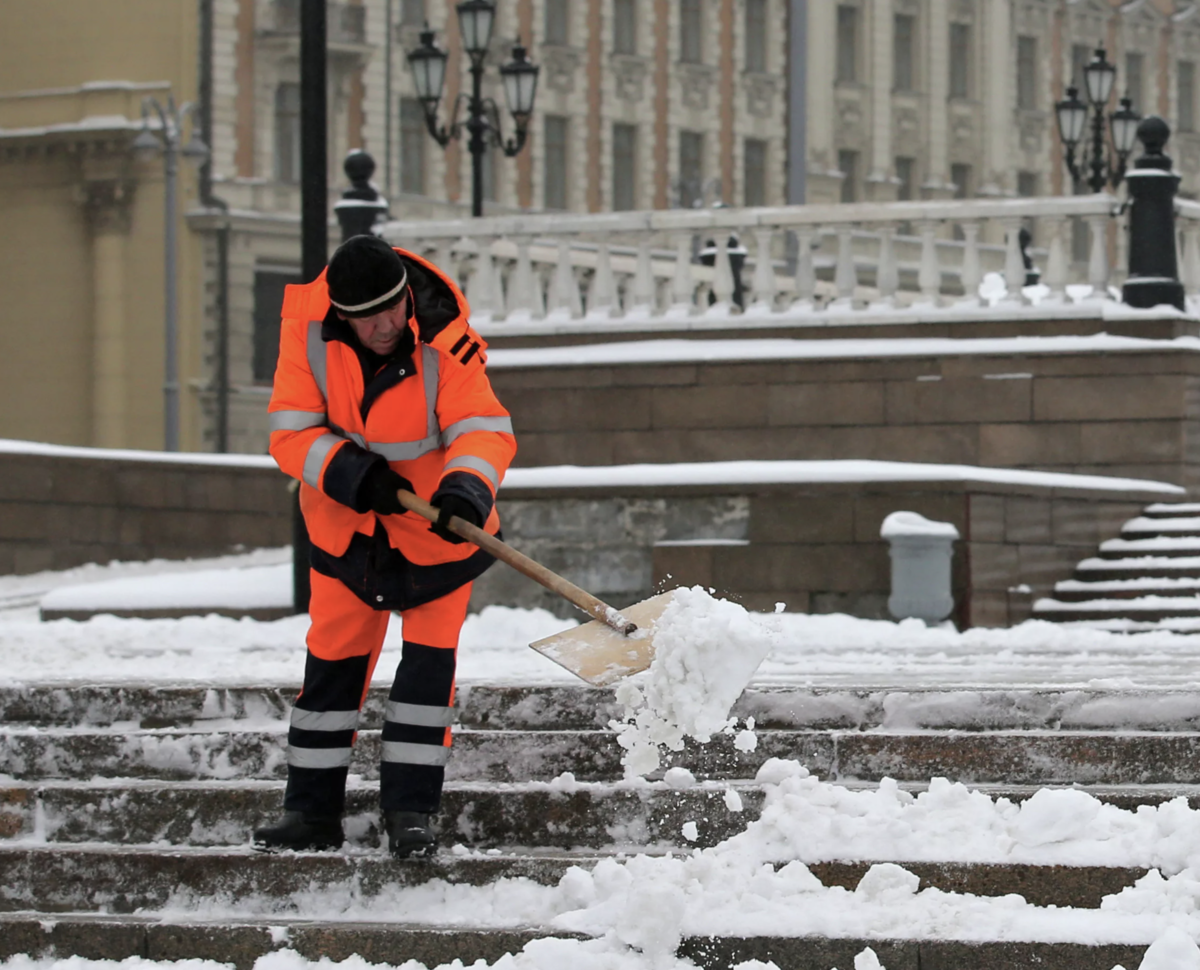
{"x":680,"y":350}
{"x":808,"y":472}
{"x":14,"y":446}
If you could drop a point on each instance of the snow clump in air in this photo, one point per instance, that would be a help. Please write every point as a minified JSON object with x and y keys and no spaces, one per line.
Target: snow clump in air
{"x":705,"y":652}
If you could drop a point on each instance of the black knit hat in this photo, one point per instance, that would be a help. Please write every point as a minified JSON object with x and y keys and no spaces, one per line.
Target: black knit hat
{"x":365,"y":276}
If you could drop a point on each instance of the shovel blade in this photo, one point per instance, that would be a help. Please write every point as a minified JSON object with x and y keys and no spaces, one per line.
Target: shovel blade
{"x":597,"y":653}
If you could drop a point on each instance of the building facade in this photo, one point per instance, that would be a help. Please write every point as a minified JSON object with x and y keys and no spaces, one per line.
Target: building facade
{"x":955,"y":98}
{"x":641,"y":104}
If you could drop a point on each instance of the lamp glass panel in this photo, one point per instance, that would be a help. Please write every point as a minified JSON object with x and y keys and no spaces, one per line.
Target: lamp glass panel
{"x":1099,"y":77}
{"x":1124,"y":131}
{"x":429,"y":73}
{"x":1072,"y":118}
{"x":475,"y":22}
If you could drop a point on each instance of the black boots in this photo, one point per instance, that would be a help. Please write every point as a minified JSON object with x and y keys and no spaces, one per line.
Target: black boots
{"x":409,"y":835}
{"x":300,"y":832}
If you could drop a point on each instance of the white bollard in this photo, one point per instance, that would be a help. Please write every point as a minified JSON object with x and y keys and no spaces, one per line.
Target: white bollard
{"x":921,"y":551}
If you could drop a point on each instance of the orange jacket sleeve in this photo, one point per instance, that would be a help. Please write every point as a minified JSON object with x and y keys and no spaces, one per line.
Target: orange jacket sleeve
{"x":300,"y":440}
{"x":476,"y":429}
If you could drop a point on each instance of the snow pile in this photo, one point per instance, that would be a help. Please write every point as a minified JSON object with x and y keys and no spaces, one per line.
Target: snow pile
{"x":257,"y":587}
{"x":705,"y":652}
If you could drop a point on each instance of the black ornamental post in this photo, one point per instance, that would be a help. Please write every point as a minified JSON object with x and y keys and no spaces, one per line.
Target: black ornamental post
{"x":1153,"y":265}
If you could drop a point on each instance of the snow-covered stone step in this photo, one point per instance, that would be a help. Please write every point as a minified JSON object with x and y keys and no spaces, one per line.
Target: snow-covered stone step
{"x":50,"y":878}
{"x":150,"y":706}
{"x":1170,"y":510}
{"x":243,"y":940}
{"x":1144,"y":526}
{"x":114,"y":710}
{"x":563,"y":815}
{"x":1096,"y":568}
{"x":1147,"y":608}
{"x":1075,"y":590}
{"x":87,"y":878}
{"x":481,"y":817}
{"x":240,"y":942}
{"x":1166,"y":546}
{"x":1017,"y":757}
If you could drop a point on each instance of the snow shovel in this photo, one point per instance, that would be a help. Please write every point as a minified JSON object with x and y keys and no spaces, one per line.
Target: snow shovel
{"x":613,"y":645}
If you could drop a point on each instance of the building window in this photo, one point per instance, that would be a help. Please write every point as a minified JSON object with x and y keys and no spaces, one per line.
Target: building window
{"x":847,"y":44}
{"x":1027,"y":184}
{"x":906,"y":177}
{"x":848,"y":164}
{"x":268,"y":308}
{"x":554,"y":189}
{"x":904,"y":46}
{"x":412,"y":146}
{"x":412,"y":12}
{"x":754,"y":163}
{"x":1186,"y":100}
{"x":487,"y":169}
{"x":960,"y":175}
{"x":691,"y":169}
{"x":960,"y":60}
{"x":558,"y":22}
{"x":625,"y":26}
{"x":1027,"y":72}
{"x":756,"y":35}
{"x":624,"y":167}
{"x":1135,"y":65}
{"x":287,"y":132}
{"x":691,"y":31}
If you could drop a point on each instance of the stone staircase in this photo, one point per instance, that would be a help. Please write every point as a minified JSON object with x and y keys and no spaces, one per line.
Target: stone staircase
{"x":1147,"y":578}
{"x":125,"y":813}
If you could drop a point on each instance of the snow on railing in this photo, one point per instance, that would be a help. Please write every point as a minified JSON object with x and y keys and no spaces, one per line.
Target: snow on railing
{"x":638,"y":267}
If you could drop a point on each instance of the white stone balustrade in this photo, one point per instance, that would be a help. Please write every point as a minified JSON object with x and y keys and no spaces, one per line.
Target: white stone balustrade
{"x":858,"y":261}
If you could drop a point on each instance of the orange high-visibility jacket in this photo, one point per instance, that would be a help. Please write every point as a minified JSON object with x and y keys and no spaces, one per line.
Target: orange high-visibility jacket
{"x":432,"y":416}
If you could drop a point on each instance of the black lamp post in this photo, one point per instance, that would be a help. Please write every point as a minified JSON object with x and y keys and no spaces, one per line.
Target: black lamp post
{"x":428,"y":66}
{"x":1105,"y":167}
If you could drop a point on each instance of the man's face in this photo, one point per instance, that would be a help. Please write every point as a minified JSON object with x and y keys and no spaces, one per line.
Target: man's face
{"x":381,"y":332}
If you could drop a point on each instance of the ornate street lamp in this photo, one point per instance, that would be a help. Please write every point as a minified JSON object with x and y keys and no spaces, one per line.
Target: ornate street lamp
{"x":149,"y":144}
{"x":1106,"y":167}
{"x":428,"y":65}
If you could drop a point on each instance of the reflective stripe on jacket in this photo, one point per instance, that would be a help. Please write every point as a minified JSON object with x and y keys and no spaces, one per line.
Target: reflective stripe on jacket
{"x":438,"y":416}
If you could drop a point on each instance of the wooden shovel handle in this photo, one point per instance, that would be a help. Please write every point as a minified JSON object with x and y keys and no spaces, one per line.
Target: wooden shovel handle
{"x":593,"y":607}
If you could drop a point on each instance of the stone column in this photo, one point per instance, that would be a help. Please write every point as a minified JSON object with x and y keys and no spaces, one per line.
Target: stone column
{"x":937,"y":26}
{"x":823,"y":186}
{"x":999,"y":99}
{"x":881,"y":186}
{"x":107,"y":204}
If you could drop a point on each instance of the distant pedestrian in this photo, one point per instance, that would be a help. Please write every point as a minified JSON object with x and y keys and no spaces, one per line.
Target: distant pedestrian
{"x":381,"y":386}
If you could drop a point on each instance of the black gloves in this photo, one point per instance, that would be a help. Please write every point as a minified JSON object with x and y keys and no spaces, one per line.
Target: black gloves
{"x":377,"y":493}
{"x":448,"y":505}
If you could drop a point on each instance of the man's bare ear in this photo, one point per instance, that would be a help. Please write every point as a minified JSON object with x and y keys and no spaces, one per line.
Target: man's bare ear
{"x":341,"y":316}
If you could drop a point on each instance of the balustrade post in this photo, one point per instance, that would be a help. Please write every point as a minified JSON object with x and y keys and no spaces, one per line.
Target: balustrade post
{"x":1191,"y":258}
{"x":602,"y":301}
{"x":887,"y":272}
{"x":971,"y":274}
{"x":929,"y":275}
{"x":565,"y":301}
{"x":1014,"y":264}
{"x":644,"y":291}
{"x":806,"y":277}
{"x":764,"y":272}
{"x":722,"y":286}
{"x":1098,"y":256}
{"x":1056,"y":260}
{"x":845,"y":276}
{"x":683,"y":287}
{"x":483,"y":287}
{"x":525,"y":287}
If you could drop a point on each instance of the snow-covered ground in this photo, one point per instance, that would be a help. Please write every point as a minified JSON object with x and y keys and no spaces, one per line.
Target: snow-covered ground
{"x":756,"y":882}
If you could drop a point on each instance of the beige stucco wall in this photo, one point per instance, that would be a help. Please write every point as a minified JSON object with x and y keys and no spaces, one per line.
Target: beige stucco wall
{"x":81,"y":257}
